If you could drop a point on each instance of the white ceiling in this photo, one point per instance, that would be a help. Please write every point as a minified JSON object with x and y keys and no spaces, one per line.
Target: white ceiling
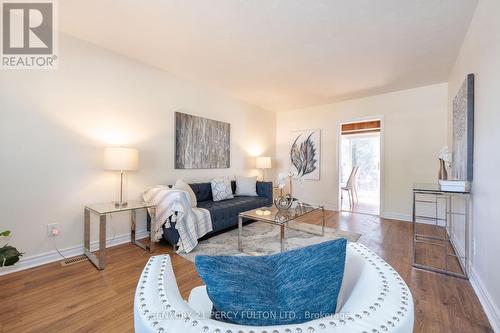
{"x":282,"y":54}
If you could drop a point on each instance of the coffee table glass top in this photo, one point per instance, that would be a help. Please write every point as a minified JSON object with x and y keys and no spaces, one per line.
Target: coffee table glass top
{"x":277,"y":216}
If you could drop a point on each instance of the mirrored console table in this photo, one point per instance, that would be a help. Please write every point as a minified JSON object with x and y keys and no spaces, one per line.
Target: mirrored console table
{"x":441,"y":230}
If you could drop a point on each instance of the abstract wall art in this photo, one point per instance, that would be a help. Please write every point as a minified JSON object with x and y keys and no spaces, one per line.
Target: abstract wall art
{"x":305,"y":153}
{"x":463,"y":131}
{"x":201,"y":143}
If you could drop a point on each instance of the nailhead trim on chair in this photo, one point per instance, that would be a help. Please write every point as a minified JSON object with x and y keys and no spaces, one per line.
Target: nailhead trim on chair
{"x":367,"y":254}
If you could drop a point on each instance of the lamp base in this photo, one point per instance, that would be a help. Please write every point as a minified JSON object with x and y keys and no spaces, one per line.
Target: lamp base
{"x":121,"y":204}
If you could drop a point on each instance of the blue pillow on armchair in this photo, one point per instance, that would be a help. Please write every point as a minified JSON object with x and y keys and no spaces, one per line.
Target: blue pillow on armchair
{"x":285,"y":288}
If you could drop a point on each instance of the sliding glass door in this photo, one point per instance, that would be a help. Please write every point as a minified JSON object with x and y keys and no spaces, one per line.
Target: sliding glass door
{"x":360,"y":160}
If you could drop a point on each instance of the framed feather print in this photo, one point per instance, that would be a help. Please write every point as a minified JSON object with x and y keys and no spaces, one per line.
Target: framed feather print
{"x":305,"y":153}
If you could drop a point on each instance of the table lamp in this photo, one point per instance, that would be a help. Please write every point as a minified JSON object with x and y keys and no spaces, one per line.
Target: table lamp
{"x":263,"y":162}
{"x":123,"y":160}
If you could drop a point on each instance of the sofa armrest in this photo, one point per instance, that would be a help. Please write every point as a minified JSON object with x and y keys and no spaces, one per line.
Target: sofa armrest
{"x":265,"y":190}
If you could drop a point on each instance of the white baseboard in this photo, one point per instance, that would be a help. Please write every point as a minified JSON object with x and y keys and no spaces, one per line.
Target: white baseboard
{"x":489,"y":307}
{"x":48,"y":257}
{"x":396,"y":216}
{"x":459,"y":249}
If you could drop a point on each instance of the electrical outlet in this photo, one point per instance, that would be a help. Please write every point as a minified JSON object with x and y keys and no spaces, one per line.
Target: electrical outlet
{"x":53,"y":230}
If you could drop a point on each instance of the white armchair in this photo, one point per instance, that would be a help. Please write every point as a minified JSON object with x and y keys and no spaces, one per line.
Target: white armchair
{"x":373,"y":298}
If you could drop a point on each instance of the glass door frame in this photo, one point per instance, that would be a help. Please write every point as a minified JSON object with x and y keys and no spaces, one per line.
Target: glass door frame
{"x":382,"y":159}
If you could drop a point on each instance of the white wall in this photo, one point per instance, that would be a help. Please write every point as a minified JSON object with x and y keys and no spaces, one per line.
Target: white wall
{"x":480,"y":54}
{"x":55,"y":124}
{"x":414,"y":131}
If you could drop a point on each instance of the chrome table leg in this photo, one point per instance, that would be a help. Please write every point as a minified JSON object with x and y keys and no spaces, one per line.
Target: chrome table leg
{"x":102,"y":241}
{"x":282,"y":237}
{"x":323,"y":224}
{"x":100,"y":262}
{"x":240,"y":229}
{"x":148,"y":247}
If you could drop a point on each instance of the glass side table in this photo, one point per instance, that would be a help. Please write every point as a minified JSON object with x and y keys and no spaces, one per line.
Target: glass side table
{"x":102,"y":210}
{"x":441,"y":230}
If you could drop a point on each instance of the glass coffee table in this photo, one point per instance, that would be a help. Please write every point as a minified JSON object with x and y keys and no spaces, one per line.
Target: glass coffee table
{"x":280,"y":218}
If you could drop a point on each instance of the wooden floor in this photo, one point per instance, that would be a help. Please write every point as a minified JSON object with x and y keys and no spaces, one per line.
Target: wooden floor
{"x":79,"y":298}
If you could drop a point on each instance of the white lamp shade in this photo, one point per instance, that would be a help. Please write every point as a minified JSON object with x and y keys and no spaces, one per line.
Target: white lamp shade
{"x":121,"y":159}
{"x":263,"y":162}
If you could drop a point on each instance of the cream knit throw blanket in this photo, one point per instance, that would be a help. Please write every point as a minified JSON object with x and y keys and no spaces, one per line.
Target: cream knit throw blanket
{"x":191,"y":223}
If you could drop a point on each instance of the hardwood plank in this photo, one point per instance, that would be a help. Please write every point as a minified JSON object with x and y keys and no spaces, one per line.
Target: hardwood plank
{"x":79,"y":298}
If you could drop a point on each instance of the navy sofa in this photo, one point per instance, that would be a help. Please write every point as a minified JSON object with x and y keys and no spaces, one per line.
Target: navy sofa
{"x":224,"y":213}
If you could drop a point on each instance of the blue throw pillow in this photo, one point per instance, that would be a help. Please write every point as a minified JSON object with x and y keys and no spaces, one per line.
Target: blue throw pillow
{"x":285,"y":288}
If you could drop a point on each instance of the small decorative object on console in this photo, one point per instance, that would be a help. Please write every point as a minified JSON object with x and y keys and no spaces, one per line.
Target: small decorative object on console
{"x":454,"y":185}
{"x":444,"y":159}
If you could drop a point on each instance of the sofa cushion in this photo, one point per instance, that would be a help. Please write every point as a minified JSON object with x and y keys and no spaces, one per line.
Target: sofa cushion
{"x":221,"y":189}
{"x":285,"y":288}
{"x":225,"y":213}
{"x":246,"y":186}
{"x":235,"y":205}
{"x":183,"y":186}
{"x":203,"y":191}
